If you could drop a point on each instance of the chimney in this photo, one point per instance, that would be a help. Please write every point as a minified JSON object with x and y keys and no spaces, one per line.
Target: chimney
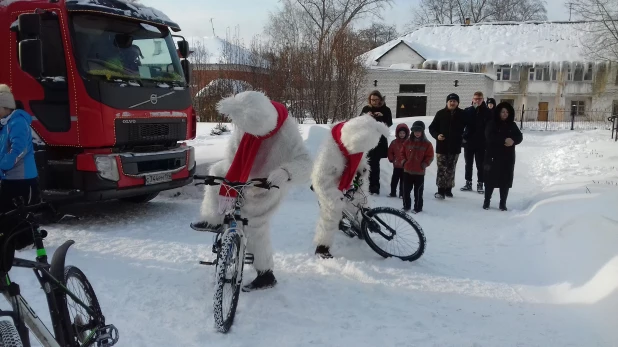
{"x":468,"y":21}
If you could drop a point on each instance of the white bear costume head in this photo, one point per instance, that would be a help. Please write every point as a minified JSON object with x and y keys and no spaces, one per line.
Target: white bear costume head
{"x":251,"y":111}
{"x":362,"y":133}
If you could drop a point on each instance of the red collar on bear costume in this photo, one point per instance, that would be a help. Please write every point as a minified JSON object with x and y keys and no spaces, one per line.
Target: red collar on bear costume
{"x":352,"y":160}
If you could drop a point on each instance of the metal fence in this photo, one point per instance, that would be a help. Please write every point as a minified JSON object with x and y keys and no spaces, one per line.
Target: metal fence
{"x":563,"y":119}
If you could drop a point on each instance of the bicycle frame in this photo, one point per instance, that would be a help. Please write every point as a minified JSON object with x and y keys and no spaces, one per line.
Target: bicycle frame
{"x":355,"y":223}
{"x":232,"y":220}
{"x":54,"y":291}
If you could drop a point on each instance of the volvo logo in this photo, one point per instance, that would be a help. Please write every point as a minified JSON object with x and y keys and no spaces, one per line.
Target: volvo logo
{"x":129,"y":121}
{"x":154,"y":98}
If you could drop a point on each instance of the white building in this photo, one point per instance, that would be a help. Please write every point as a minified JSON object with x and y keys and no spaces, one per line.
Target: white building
{"x":537,"y":66}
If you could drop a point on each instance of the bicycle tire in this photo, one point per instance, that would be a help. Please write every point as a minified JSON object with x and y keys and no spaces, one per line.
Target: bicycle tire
{"x":76,"y":335}
{"x":230,"y":247}
{"x":9,"y":337}
{"x":409,"y":220}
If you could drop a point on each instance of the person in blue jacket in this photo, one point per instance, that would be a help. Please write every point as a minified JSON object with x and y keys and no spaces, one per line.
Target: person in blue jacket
{"x":18,"y":172}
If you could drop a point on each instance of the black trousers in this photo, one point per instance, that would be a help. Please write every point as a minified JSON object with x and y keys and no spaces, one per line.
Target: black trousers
{"x":374,"y":173}
{"x":414,"y":183}
{"x":14,"y":189}
{"x":504,"y":193}
{"x":397,"y":179}
{"x":471,"y":155}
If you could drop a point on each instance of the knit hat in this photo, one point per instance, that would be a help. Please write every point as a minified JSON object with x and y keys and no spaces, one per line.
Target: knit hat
{"x":6,"y":97}
{"x":491,"y":101}
{"x":418,"y":126}
{"x":452,"y":96}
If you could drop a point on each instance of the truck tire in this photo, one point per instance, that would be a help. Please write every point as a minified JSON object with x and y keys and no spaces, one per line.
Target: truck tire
{"x":141,"y":199}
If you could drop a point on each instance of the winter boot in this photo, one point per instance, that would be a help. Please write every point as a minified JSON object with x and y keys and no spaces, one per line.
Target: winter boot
{"x":449,"y":193}
{"x":467,"y":187}
{"x":479,"y":188}
{"x":323,"y":252}
{"x":440,"y":194}
{"x":392,"y":195}
{"x":204,"y":226}
{"x":503,"y":206}
{"x":486,"y":205}
{"x":264,"y":280}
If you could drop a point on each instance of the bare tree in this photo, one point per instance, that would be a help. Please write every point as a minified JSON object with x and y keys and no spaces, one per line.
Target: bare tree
{"x":603,"y":29}
{"x":456,"y":11}
{"x":377,"y":35}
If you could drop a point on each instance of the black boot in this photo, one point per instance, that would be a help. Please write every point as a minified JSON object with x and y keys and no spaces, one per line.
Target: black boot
{"x":264,"y":280}
{"x":479,"y":188}
{"x":504,"y":193}
{"x":467,"y":187}
{"x":323,"y":252}
{"x":440,"y":194}
{"x":486,"y":204}
{"x":204,"y":226}
{"x":488,"y":193}
{"x":448,"y":192}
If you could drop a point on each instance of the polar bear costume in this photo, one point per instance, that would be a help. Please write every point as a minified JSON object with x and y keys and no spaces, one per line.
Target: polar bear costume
{"x":281,"y":157}
{"x":342,"y":156}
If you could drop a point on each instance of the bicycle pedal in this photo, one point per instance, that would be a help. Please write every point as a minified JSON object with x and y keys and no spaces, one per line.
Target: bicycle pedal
{"x":106,"y":336}
{"x":249,"y":258}
{"x":208,"y":262}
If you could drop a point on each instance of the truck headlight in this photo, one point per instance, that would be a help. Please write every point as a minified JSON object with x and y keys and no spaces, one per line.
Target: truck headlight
{"x":108,"y":168}
{"x":191,"y":163}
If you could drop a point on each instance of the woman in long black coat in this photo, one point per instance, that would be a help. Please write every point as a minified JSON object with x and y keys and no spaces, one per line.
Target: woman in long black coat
{"x":382,"y":113}
{"x":501,"y":135}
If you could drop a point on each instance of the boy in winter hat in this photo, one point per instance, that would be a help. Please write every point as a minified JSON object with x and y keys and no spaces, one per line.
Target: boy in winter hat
{"x":342,"y":156}
{"x":265,"y":143}
{"x":418,"y":155}
{"x":396,"y":158}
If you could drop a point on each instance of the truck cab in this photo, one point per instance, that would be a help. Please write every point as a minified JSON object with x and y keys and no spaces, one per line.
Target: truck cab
{"x":108,"y":92}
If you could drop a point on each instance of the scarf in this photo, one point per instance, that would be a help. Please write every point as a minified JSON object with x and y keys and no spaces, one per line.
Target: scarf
{"x":243,"y":160}
{"x":352,"y":160}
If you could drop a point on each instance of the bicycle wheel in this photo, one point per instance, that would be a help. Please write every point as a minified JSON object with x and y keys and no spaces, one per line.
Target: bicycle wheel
{"x":9,"y":337}
{"x":229,"y":277}
{"x":393,"y":233}
{"x":82,"y":324}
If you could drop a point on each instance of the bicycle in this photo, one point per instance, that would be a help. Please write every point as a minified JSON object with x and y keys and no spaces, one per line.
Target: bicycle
{"x":87,"y":328}
{"x":364,"y":223}
{"x":229,"y":246}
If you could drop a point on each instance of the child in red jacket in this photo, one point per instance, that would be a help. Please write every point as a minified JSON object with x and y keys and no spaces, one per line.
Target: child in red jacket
{"x":418,"y":154}
{"x":395,"y":156}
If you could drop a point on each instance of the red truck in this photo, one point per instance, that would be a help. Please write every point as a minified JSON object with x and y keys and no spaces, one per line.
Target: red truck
{"x":108,"y":93}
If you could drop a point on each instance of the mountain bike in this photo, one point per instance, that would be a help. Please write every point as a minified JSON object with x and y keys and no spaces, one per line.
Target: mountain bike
{"x":229,"y":246}
{"x":76,"y":321}
{"x":376,"y":226}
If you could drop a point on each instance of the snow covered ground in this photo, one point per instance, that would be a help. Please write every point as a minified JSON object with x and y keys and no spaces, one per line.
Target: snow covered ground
{"x":544,"y":273}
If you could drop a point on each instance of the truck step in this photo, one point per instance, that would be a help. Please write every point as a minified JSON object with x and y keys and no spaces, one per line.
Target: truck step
{"x":58,"y":192}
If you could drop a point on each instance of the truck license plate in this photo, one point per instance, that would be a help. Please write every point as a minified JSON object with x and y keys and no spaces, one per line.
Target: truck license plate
{"x":158,"y":178}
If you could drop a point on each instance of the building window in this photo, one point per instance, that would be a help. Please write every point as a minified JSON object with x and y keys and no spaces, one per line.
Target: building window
{"x":504,"y":73}
{"x":554,"y":74}
{"x":542,"y":74}
{"x":411,"y":88}
{"x":578,"y":108}
{"x":578,"y":76}
{"x":615,"y":108}
{"x":588,"y":74}
{"x":531,"y":74}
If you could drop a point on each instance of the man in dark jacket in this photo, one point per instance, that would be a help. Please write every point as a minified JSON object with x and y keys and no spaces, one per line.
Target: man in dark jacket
{"x":476,"y":118}
{"x":447,"y":129}
{"x":378,"y":109}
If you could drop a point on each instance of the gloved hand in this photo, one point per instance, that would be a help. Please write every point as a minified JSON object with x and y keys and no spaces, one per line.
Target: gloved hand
{"x":278,"y":177}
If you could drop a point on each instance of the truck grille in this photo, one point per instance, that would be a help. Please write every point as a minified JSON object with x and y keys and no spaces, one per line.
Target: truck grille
{"x":145,"y":131}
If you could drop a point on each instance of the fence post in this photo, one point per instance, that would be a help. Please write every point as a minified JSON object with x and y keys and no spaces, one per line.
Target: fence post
{"x":521,"y":121}
{"x":572,"y":119}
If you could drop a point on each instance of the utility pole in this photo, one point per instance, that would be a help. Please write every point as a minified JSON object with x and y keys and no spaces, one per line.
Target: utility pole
{"x":213,"y":27}
{"x":570,"y":9}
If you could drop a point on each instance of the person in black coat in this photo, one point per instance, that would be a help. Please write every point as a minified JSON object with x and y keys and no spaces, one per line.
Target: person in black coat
{"x":378,"y":109}
{"x":476,"y":118}
{"x":502,"y":135}
{"x":447,"y":128}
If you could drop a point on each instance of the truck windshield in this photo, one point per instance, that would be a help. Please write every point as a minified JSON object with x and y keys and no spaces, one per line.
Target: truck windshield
{"x":114,"y":49}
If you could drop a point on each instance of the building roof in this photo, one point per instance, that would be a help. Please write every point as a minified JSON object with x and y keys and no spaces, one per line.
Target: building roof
{"x":502,"y":43}
{"x":220,"y":51}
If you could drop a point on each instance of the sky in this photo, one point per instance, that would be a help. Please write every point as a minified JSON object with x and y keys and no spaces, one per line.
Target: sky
{"x":250,"y":16}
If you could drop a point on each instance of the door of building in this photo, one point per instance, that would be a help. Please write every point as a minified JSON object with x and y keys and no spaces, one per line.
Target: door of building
{"x":543,"y":112}
{"x":411,"y":106}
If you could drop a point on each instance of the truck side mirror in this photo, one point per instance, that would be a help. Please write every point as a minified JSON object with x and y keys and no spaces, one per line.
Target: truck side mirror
{"x":29,"y":25}
{"x":186,"y":68}
{"x":31,"y":57}
{"x":183,"y":49}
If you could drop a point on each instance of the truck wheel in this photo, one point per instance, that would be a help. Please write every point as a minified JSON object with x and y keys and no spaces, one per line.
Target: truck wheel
{"x":141,"y":199}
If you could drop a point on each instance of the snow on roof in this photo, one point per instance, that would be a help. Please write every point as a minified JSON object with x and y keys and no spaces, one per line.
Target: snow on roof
{"x":494,"y":43}
{"x":220,"y":51}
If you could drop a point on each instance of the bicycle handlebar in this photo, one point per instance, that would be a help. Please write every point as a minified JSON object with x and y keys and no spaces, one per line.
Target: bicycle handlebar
{"x":210,"y":181}
{"x":22,"y":209}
